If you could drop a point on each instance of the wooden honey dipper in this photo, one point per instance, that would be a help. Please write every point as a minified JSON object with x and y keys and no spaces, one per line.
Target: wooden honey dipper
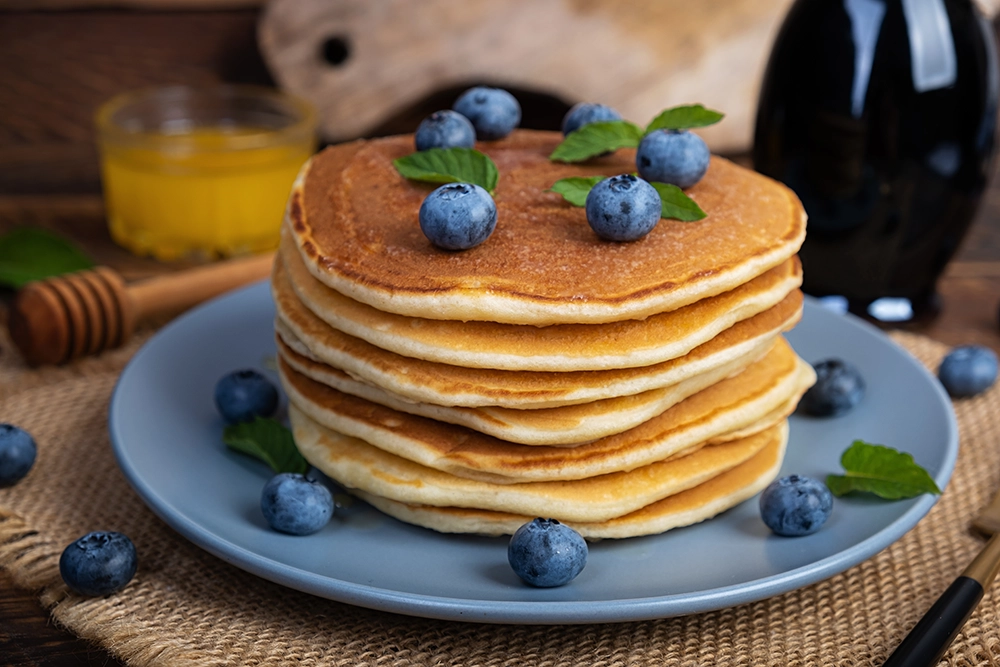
{"x":57,"y":320}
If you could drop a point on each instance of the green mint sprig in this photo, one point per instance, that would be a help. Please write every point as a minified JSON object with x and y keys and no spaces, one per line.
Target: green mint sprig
{"x":674,"y":204}
{"x":450,"y":165}
{"x":267,"y":440}
{"x":685,"y":117}
{"x":576,"y":188}
{"x":606,"y":136}
{"x":30,"y":253}
{"x":884,"y":471}
{"x":597,"y":139}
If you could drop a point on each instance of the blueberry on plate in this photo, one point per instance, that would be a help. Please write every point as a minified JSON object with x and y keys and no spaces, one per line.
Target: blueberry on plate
{"x":458,"y":216}
{"x":493,"y":111}
{"x":99,"y":563}
{"x":546,"y":553}
{"x":445,"y":129}
{"x":293,"y":504}
{"x":586,"y":113}
{"x":968,"y":370}
{"x":17,"y":454}
{"x":672,"y":156}
{"x":839,"y":387}
{"x":245,"y":394}
{"x":623,"y":208}
{"x":795,"y":505}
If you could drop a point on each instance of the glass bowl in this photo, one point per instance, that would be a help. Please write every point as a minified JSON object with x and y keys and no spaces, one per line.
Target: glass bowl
{"x":201,"y":173}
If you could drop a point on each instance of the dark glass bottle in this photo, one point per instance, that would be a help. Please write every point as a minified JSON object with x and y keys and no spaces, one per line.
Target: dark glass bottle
{"x":881,"y":115}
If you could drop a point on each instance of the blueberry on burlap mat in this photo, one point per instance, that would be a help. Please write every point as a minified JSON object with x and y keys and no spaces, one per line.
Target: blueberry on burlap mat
{"x":186,"y":607}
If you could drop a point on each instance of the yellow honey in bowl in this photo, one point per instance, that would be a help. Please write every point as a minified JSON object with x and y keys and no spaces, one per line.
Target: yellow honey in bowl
{"x":198,"y":198}
{"x":199,"y":187}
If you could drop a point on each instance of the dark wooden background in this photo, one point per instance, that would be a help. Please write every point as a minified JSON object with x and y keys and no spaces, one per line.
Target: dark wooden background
{"x":56,"y":68}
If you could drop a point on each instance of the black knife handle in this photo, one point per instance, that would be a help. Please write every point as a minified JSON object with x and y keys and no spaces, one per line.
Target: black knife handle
{"x":930,"y":638}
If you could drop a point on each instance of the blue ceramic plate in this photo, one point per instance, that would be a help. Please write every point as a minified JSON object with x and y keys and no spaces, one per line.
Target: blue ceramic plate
{"x":166,"y":435}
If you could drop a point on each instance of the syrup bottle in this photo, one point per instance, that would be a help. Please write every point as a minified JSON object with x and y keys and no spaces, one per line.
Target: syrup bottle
{"x":881,"y":116}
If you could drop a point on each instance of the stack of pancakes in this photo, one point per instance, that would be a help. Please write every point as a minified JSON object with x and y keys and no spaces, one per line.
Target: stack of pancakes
{"x":622,"y":388}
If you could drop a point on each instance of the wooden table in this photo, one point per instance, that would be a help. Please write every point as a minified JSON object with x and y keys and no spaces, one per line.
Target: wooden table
{"x":970,"y":292}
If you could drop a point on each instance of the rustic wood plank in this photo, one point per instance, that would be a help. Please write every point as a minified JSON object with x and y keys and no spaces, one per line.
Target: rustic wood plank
{"x":160,"y":5}
{"x":58,"y":68}
{"x":28,"y":637}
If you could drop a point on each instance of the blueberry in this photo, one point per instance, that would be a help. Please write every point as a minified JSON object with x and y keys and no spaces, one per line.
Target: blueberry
{"x":546,"y":553}
{"x":445,"y":129}
{"x":968,"y":370}
{"x":839,"y":387}
{"x":672,"y":156}
{"x":296,"y":505}
{"x":493,"y":111}
{"x":795,"y":505}
{"x":17,"y":454}
{"x":623,"y":208}
{"x":458,"y":216}
{"x":99,"y":563}
{"x":242,"y":395}
{"x":585,"y":113}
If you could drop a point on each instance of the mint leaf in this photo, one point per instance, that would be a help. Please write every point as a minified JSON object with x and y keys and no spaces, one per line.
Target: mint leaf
{"x":596,"y":139}
{"x":881,"y":470}
{"x":29,"y":253}
{"x":575,"y":188}
{"x":450,"y":165}
{"x":676,"y":204}
{"x":267,"y":440}
{"x":684,"y":118}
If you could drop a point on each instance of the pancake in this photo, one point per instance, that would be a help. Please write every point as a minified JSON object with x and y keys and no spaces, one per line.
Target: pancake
{"x":444,"y":384}
{"x":355,"y":224}
{"x":561,"y":347}
{"x":772,"y":385}
{"x":356,"y":464}
{"x":564,"y":425}
{"x":696,"y":504}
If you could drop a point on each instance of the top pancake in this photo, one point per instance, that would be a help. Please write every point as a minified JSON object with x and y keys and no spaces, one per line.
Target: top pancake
{"x":355,"y":223}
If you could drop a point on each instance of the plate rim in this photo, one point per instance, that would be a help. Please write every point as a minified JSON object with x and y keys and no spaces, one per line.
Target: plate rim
{"x":532,"y":612}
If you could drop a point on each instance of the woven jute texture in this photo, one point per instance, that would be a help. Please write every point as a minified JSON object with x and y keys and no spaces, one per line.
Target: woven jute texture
{"x":185,"y":607}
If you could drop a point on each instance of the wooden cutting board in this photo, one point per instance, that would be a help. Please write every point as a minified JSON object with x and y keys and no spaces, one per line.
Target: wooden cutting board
{"x":640,"y":57}
{"x":360,"y":61}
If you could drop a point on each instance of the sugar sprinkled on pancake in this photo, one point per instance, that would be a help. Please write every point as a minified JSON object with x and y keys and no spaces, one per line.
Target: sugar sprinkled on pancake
{"x":354,"y":220}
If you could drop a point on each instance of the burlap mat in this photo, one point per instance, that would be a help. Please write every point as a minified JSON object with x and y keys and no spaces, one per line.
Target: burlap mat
{"x":185,"y":607}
